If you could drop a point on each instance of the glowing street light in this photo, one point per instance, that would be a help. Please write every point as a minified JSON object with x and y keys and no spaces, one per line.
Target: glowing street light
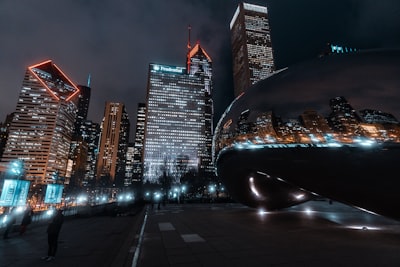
{"x":16,"y":168}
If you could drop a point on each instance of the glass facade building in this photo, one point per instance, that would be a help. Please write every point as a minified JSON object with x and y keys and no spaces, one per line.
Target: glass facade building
{"x":252,"y":52}
{"x":178,"y":130}
{"x":41,"y":130}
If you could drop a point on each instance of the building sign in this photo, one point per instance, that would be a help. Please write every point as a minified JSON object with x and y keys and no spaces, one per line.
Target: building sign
{"x":164,"y":68}
{"x":53,"y":193}
{"x":14,"y":193}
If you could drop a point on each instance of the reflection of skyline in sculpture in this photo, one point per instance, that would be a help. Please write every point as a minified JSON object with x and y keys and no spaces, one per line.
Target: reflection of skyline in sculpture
{"x":342,"y":125}
{"x":295,"y":135}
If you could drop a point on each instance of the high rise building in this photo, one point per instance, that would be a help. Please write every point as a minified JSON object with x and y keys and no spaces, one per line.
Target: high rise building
{"x":91,"y":134}
{"x":178,"y":130}
{"x":41,"y":130}
{"x":114,"y":142}
{"x":129,"y":164}
{"x":77,"y":161}
{"x":83,"y":108}
{"x":252,"y":52}
{"x":4,"y":128}
{"x":137,"y":171}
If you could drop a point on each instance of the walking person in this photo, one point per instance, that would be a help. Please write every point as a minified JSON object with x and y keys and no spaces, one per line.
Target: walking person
{"x":10,"y":221}
{"x":53,"y":231}
{"x":26,"y":220}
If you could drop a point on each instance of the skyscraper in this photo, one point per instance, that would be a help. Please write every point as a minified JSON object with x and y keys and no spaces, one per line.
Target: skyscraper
{"x":178,"y":131}
{"x":137,"y":171}
{"x":129,"y":164}
{"x":114,"y":142}
{"x":91,"y":134}
{"x":83,"y":108}
{"x":77,"y":163}
{"x":252,"y":52}
{"x":4,"y":128}
{"x":41,"y":130}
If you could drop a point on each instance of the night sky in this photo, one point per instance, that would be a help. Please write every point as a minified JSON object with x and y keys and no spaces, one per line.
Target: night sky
{"x":115,"y":40}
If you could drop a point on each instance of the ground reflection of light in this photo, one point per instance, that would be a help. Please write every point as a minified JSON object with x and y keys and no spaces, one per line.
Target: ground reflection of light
{"x":363,"y":227}
{"x":262,"y":212}
{"x":308,"y":211}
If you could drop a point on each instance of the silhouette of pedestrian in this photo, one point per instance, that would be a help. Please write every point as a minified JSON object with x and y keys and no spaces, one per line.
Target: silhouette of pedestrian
{"x":10,"y":221}
{"x":53,"y":231}
{"x":26,"y":220}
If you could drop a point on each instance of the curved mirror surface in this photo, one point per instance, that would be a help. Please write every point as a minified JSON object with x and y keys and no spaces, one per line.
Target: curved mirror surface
{"x":319,"y":126}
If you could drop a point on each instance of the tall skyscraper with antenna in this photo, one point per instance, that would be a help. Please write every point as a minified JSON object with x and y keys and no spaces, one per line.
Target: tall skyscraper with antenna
{"x":83,"y":108}
{"x":178,"y":130}
{"x":252,"y":52}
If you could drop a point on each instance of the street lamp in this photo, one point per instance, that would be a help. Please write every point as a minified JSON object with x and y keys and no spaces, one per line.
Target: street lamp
{"x":55,"y":176}
{"x":17,"y":168}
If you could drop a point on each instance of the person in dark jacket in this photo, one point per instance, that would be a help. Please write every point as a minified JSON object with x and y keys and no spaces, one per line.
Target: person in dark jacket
{"x":53,"y":231}
{"x":10,"y":221}
{"x":26,"y":220}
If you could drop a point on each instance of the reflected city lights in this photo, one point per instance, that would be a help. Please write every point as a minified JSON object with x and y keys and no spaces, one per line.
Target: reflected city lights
{"x":253,"y":188}
{"x":317,"y":128}
{"x":363,"y":227}
{"x":308,"y":211}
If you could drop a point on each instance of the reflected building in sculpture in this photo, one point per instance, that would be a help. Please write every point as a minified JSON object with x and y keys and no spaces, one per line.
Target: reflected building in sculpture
{"x":293,"y":142}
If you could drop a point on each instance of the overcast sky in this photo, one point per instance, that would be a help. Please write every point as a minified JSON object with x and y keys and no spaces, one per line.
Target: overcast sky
{"x":116,"y":40}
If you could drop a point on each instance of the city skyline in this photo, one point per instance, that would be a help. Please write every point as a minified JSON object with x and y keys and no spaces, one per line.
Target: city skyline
{"x":115,"y":41}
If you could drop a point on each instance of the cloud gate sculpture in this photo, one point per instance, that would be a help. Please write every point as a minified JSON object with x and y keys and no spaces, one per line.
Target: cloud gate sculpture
{"x":327,"y":127}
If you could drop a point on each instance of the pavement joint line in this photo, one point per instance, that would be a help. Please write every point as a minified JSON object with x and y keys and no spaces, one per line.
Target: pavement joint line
{"x":137,"y":251}
{"x":166,"y":226}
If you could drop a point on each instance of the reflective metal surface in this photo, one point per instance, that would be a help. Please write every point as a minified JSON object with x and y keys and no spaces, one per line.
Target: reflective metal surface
{"x":325,"y":127}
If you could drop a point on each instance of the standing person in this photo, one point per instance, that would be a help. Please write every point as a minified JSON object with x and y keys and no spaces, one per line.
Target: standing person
{"x":11,"y":220}
{"x":52,"y":235}
{"x":26,"y":220}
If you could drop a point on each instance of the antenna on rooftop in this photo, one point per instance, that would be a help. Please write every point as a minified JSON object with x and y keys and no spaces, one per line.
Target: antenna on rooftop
{"x":189,"y":47}
{"x":88,"y":81}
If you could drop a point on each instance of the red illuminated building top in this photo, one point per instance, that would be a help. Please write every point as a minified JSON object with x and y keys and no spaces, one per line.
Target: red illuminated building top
{"x":55,"y":81}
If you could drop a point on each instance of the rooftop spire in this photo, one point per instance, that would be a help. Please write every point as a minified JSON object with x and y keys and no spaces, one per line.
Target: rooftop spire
{"x":88,"y":80}
{"x":189,"y":47}
{"x":188,"y":44}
